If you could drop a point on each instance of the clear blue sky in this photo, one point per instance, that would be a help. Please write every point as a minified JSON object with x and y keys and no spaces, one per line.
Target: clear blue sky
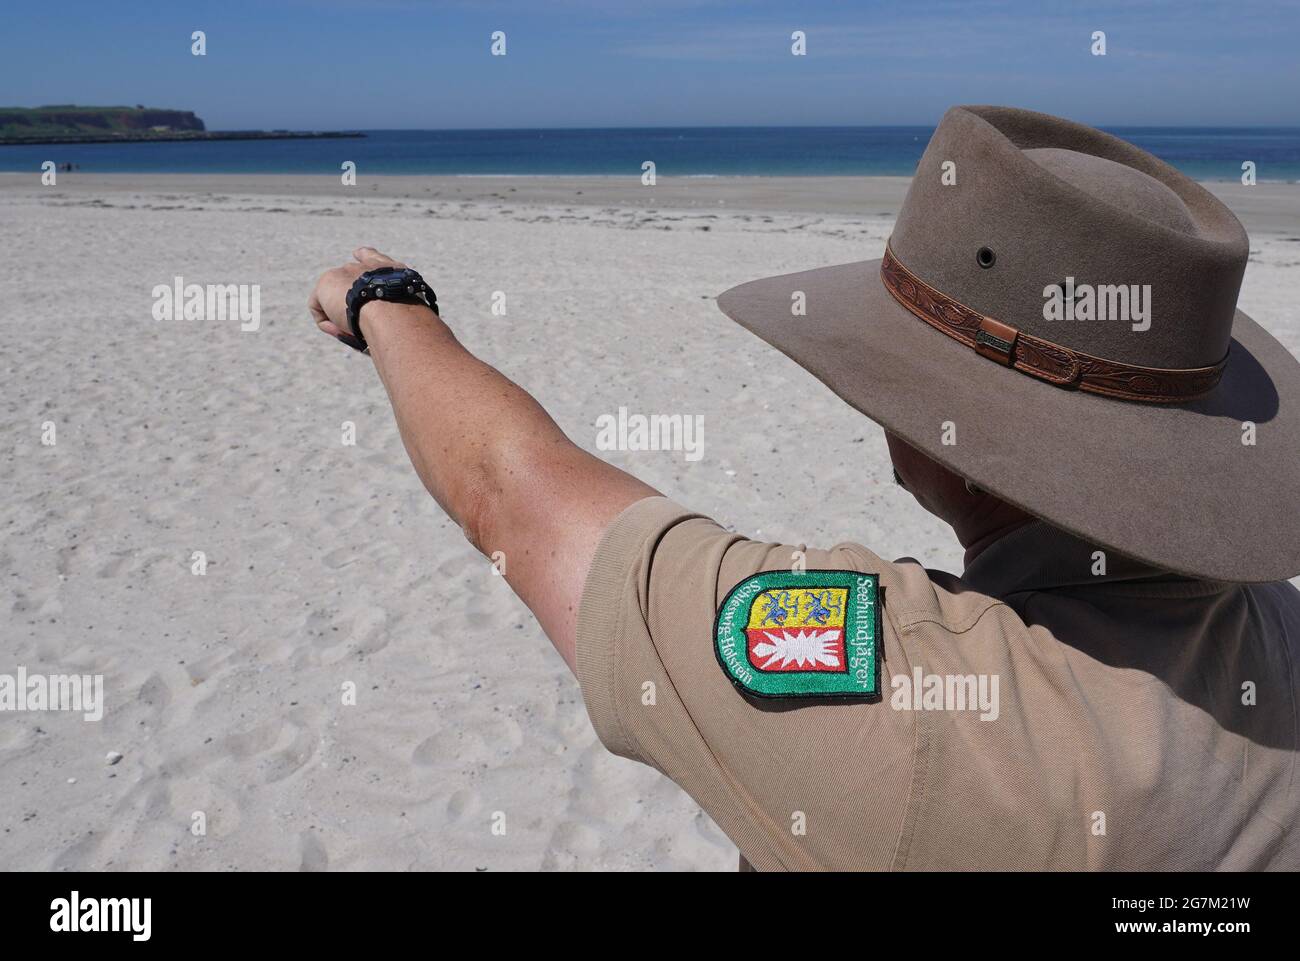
{"x":332,"y":64}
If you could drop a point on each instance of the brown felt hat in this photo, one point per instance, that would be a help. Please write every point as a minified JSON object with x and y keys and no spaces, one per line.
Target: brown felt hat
{"x":1055,"y":320}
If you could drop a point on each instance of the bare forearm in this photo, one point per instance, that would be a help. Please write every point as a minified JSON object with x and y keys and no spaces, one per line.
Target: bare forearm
{"x":486,"y":451}
{"x":498,"y":464}
{"x":460,"y":419}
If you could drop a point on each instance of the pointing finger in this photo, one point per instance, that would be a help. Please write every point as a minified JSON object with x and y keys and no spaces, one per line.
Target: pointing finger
{"x":372,"y":259}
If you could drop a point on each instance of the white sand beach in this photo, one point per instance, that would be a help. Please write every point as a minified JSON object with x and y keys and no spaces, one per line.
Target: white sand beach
{"x":328,"y":565}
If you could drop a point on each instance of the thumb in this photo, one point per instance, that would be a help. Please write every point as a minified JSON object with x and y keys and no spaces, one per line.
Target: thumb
{"x":372,"y":259}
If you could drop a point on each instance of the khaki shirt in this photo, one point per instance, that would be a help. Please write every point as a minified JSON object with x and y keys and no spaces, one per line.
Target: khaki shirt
{"x":1143,"y":720}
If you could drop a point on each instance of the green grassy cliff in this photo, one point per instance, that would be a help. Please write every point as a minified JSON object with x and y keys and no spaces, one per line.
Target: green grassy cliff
{"x":72,"y":121}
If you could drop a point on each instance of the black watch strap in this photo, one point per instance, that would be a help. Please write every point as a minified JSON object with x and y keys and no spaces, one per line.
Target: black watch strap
{"x":398,"y":285}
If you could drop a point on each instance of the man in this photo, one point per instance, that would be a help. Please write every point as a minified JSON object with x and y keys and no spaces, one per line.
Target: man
{"x":1052,"y":346}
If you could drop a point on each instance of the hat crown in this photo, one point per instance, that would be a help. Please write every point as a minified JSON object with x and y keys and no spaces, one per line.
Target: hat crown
{"x":1075,"y":236}
{"x":1140,"y":194}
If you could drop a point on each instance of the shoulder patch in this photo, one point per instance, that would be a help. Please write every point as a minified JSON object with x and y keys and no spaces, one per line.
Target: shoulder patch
{"x":802,"y":634}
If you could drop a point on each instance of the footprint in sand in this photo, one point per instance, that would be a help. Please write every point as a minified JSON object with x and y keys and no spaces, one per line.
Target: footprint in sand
{"x":155,"y":692}
{"x":80,"y":855}
{"x":447,"y":747}
{"x":570,"y":845}
{"x":313,"y":853}
{"x":462,"y":804}
{"x":281,"y":748}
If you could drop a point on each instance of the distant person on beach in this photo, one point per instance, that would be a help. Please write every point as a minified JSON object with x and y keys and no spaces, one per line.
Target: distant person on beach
{"x":1111,"y":682}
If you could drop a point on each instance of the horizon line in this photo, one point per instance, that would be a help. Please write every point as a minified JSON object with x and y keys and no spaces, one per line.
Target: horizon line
{"x":733,"y":126}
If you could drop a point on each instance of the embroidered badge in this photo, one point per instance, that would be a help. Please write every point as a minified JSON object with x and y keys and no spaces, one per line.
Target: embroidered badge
{"x":802,"y":634}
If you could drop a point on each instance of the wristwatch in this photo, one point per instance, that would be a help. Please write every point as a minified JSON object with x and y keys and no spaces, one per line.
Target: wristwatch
{"x":398,"y":285}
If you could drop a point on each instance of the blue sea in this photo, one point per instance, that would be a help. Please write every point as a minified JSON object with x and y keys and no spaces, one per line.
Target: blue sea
{"x":1206,"y":153}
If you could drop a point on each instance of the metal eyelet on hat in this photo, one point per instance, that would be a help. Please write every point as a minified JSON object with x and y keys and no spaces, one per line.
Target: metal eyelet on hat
{"x":985,"y":257}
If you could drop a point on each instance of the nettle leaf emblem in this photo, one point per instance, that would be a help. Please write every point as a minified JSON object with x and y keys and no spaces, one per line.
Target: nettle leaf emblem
{"x":804,"y":649}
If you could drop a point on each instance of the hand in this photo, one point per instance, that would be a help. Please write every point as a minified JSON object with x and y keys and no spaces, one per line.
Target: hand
{"x":328,"y":301}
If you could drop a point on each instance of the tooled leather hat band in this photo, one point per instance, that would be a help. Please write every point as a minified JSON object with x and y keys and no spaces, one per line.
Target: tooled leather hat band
{"x":1041,"y":358}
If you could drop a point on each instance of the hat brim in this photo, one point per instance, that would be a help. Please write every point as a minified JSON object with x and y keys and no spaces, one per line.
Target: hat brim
{"x":1171,"y":485}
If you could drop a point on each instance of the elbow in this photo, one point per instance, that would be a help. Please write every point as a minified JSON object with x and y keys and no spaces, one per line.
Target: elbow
{"x":505,"y":487}
{"x":480,"y":499}
{"x":505,"y":494}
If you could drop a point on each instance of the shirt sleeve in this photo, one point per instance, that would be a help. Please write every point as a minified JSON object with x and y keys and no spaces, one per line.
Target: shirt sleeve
{"x":796,"y":784}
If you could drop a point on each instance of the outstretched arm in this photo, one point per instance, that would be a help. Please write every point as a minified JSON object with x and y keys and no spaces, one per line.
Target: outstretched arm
{"x":488,"y":453}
